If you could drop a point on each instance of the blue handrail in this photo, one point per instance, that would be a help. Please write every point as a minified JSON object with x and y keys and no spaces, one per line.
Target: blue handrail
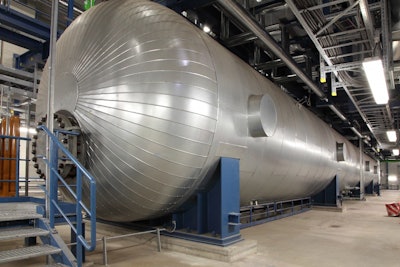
{"x":81,"y":174}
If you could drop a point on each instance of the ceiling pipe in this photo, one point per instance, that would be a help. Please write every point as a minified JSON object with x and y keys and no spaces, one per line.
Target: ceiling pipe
{"x":240,"y":13}
{"x":367,"y":18}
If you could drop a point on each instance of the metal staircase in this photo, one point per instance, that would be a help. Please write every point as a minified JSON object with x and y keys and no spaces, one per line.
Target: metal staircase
{"x":24,"y":217}
{"x":20,"y":221}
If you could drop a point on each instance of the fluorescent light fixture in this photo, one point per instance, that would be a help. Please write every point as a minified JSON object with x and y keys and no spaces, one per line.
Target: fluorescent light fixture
{"x":373,"y":68}
{"x":24,"y":130}
{"x":395,"y":152}
{"x":391,"y":135}
{"x":392,"y":178}
{"x":258,"y":1}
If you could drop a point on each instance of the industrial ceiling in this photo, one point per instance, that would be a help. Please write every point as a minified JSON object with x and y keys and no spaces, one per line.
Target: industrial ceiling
{"x":314,"y":49}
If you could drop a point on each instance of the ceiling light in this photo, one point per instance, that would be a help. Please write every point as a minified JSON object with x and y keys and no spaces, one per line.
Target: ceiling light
{"x":258,"y":1}
{"x":391,"y":135}
{"x":206,"y":29}
{"x":396,"y":152}
{"x":373,"y":68}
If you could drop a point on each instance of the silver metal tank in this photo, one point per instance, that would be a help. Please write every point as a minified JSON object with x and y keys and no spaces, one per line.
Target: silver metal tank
{"x":158,"y":102}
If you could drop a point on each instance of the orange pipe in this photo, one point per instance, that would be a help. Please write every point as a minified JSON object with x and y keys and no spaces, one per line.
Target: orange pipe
{"x":6,"y":162}
{"x":8,"y":149}
{"x":14,"y":131}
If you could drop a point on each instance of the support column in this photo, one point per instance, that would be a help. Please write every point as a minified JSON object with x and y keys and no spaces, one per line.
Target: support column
{"x":213,"y":217}
{"x":362,"y":182}
{"x":330,"y":196}
{"x":50,"y":97}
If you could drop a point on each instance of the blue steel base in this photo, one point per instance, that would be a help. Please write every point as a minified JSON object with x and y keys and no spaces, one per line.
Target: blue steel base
{"x":369,"y":189}
{"x":330,"y":196}
{"x":377,"y":189}
{"x":213,"y":217}
{"x":266,"y":212}
{"x":205,"y":238}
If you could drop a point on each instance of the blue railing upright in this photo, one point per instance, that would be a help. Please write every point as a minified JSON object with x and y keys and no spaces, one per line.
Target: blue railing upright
{"x":81,"y":175}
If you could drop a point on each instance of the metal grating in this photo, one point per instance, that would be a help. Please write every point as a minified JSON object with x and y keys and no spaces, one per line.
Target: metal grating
{"x":14,"y":211}
{"x":27,"y":252}
{"x":22,"y":232}
{"x":15,"y":216}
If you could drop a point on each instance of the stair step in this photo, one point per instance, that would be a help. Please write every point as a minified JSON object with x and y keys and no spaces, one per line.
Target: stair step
{"x":15,"y":211}
{"x":17,"y":216}
{"x":21,"y":232}
{"x":27,"y":252}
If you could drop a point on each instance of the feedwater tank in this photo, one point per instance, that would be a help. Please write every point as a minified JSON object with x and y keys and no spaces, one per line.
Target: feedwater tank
{"x":158,"y":102}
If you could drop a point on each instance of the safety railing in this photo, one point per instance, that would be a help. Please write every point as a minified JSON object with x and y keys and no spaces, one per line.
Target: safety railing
{"x":105,"y":239}
{"x":81,"y":174}
{"x":10,"y":161}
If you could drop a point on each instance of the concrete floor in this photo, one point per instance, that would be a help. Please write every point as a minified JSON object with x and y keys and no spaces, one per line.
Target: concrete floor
{"x":363,"y":235}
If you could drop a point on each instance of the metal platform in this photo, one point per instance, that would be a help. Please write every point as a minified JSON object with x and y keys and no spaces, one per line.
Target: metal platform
{"x":27,"y":252}
{"x":18,"y":211}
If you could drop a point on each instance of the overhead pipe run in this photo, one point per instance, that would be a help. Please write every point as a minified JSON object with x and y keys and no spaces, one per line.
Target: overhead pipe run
{"x":367,"y":18}
{"x":240,"y":13}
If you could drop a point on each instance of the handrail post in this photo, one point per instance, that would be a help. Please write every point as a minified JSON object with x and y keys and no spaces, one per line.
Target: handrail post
{"x":93,"y":213}
{"x":105,"y":260}
{"x":158,"y":240}
{"x":53,"y":180}
{"x":79,"y":215}
{"x":17,"y":169}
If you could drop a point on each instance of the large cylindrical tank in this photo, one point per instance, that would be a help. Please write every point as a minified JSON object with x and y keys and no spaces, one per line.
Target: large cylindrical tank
{"x":159,"y":102}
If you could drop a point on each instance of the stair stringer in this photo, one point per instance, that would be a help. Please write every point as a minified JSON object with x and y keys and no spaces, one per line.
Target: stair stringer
{"x":54,"y":239}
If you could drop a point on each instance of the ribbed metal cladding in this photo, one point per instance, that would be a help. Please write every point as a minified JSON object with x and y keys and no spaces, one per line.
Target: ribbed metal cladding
{"x":146,"y":100}
{"x":159,"y":102}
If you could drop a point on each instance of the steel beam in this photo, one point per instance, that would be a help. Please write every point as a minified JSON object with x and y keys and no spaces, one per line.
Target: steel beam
{"x":336,"y":34}
{"x":13,"y":80}
{"x":269,"y":7}
{"x":20,"y":40}
{"x":13,"y":90}
{"x":240,"y":39}
{"x":279,"y":63}
{"x":332,"y":3}
{"x":345,"y":44}
{"x":70,"y":12}
{"x":343,"y":66}
{"x":353,"y":12}
{"x":15,"y":72}
{"x":23,"y":23}
{"x":339,"y":16}
{"x":180,"y":5}
{"x":369,"y":26}
{"x":351,"y":54}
